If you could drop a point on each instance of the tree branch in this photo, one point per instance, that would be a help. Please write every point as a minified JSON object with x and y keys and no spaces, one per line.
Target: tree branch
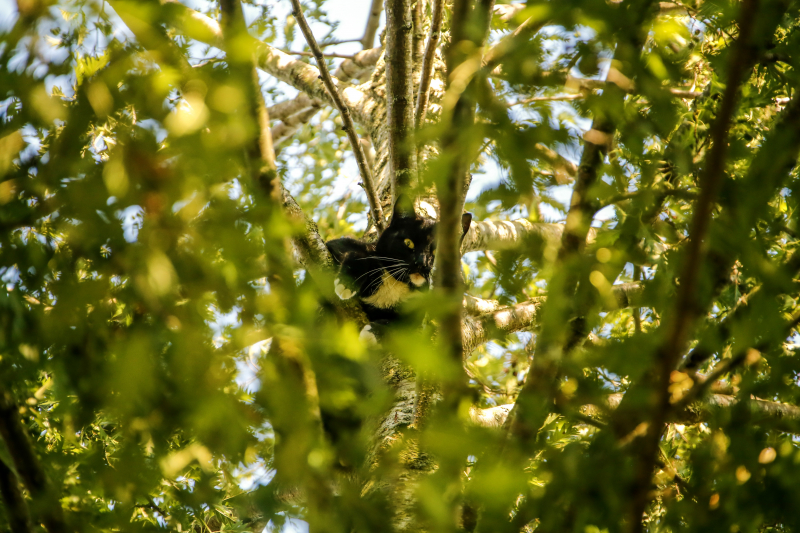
{"x":264,"y":171}
{"x":309,"y":245}
{"x":286,"y":108}
{"x":554,"y":98}
{"x":427,"y":63}
{"x":581,"y":209}
{"x":535,"y":398}
{"x":311,"y":54}
{"x":495,"y":55}
{"x":298,"y":74}
{"x":135,"y":17}
{"x":373,"y":21}
{"x":510,"y":234}
{"x":506,"y":12}
{"x":361,"y":63}
{"x":783,"y":416}
{"x":469,"y":28}
{"x":583,"y":84}
{"x":316,"y":259}
{"x":400,"y":95}
{"x":349,"y":127}
{"x":687,"y":307}
{"x":476,"y":330}
{"x":291,"y":124}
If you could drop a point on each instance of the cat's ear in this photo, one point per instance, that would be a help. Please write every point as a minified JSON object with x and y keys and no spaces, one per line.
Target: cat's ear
{"x":466,"y":221}
{"x":403,"y":208}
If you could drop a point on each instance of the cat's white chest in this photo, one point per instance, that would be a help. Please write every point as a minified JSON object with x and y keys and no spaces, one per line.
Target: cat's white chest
{"x":389,"y":294}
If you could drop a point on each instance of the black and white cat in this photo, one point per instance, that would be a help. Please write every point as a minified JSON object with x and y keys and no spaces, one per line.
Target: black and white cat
{"x":385,"y":273}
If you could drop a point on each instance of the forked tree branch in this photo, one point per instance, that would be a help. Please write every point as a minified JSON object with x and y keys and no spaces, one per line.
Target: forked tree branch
{"x":361,"y":63}
{"x":348,"y":126}
{"x":313,"y":253}
{"x":283,"y":67}
{"x":284,"y":363}
{"x":687,"y":307}
{"x":540,"y":382}
{"x":289,"y":125}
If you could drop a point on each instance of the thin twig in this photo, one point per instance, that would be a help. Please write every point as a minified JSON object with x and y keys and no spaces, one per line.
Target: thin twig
{"x":555,"y":98}
{"x":341,"y":41}
{"x":427,"y":63}
{"x":349,"y":127}
{"x":592,"y":85}
{"x":311,"y":54}
{"x":660,"y":195}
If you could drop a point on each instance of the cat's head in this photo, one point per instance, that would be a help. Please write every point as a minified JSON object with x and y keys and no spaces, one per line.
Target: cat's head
{"x":408,"y":245}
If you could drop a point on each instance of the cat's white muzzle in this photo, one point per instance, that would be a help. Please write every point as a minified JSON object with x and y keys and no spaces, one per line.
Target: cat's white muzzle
{"x":418,"y":279}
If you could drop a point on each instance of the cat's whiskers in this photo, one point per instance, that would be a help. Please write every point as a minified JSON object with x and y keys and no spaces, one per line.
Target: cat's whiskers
{"x":376,"y":282}
{"x":391,"y":267}
{"x":400,"y":271}
{"x":390,"y":270}
{"x":370,"y":272}
{"x":380,"y":257}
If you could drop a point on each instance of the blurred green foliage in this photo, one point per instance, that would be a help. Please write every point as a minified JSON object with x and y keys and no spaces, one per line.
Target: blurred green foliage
{"x":136,"y":309}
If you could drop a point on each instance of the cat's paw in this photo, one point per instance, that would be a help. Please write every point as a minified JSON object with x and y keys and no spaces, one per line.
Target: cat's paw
{"x":341,"y":291}
{"x":368,"y":337}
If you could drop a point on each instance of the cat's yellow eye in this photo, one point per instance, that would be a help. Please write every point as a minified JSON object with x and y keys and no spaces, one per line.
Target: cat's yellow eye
{"x":409,"y":243}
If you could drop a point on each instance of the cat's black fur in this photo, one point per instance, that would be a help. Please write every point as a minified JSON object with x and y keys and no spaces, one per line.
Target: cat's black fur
{"x":384,"y":273}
